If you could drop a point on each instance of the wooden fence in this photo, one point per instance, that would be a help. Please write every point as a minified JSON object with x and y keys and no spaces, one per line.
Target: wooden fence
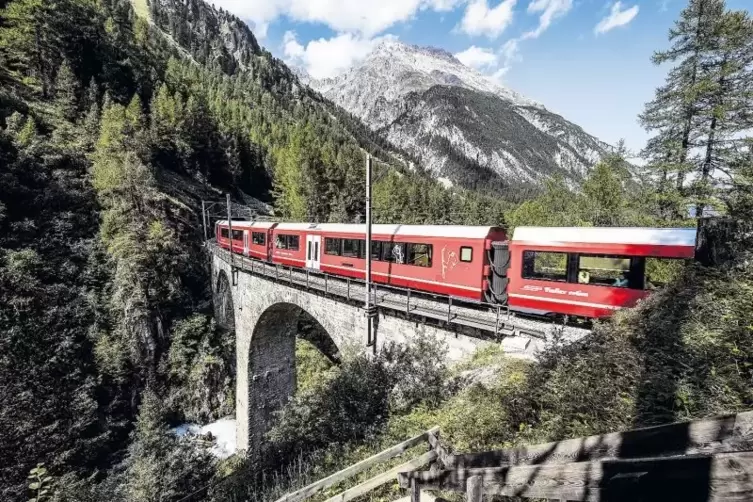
{"x":699,"y":461}
{"x":703,"y":460}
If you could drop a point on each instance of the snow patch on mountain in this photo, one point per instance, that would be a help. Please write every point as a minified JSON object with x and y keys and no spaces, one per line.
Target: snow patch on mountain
{"x":425,"y":101}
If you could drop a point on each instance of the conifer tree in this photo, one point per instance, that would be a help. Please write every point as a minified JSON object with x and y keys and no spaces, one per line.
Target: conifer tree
{"x":673,"y":112}
{"x":28,"y":40}
{"x":66,"y":92}
{"x":726,"y":101}
{"x":701,"y":111}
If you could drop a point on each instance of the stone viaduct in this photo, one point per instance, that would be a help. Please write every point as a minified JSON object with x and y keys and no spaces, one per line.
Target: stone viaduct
{"x":264,"y":303}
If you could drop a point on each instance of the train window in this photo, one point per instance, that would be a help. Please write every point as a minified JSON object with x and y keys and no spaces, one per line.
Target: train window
{"x":466,"y":254}
{"x":258,"y":238}
{"x":224,"y":233}
{"x":419,"y":255}
{"x":354,"y":248}
{"x":237,"y":235}
{"x":376,"y":249}
{"x":545,"y":266}
{"x":393,"y":252}
{"x":291,"y":242}
{"x":332,"y":246}
{"x":603,"y":270}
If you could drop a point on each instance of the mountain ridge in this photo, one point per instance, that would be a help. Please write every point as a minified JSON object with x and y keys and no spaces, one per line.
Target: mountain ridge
{"x":396,"y":79}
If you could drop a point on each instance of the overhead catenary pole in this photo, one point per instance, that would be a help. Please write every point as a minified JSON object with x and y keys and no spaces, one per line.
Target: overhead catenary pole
{"x":204,"y":219}
{"x":230,"y":237}
{"x":368,"y":251}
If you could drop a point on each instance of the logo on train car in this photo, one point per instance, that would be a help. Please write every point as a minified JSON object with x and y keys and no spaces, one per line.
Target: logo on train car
{"x":449,"y":261}
{"x":555,"y":291}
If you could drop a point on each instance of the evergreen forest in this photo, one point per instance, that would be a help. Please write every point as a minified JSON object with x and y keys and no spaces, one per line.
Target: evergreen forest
{"x":118,"y":117}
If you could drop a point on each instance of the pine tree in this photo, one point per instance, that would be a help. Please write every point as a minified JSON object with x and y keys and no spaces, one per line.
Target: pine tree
{"x":674,"y":111}
{"x":726,"y":100}
{"x":66,"y":92}
{"x":28,"y":135}
{"x":28,"y":40}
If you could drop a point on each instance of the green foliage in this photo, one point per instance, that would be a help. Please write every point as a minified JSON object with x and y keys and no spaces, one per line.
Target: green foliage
{"x":159,"y":463}
{"x":39,"y":483}
{"x":698,"y":115}
{"x":354,"y":400}
{"x":201,"y":361}
{"x":312,"y":367}
{"x":609,"y":196}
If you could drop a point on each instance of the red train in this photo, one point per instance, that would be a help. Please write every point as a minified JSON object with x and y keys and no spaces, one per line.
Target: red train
{"x":582,"y":272}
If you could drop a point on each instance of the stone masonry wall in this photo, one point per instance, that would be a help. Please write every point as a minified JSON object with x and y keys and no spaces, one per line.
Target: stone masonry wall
{"x":266,"y":315}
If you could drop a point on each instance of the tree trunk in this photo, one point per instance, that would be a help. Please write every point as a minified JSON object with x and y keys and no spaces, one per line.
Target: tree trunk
{"x":707,"y":164}
{"x":689,"y":110}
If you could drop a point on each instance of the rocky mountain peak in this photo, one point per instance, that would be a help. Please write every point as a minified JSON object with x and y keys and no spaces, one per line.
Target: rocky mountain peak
{"x":449,"y":115}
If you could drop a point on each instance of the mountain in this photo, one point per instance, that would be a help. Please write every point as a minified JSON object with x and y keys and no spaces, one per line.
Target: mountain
{"x":460,"y":124}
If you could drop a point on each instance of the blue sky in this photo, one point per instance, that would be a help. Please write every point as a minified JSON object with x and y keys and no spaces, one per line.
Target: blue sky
{"x":588,"y":60}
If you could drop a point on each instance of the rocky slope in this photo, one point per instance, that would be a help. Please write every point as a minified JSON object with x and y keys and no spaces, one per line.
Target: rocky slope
{"x":458,"y":122}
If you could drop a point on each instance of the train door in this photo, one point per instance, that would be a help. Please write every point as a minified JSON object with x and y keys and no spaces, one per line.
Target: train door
{"x":245,"y":242}
{"x":313,"y":250}
{"x":270,"y":244}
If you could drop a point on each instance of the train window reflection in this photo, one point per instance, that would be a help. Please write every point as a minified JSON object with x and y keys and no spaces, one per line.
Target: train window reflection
{"x":545,"y":266}
{"x":393,"y":252}
{"x":353,"y":248}
{"x":602,"y":270}
{"x":258,"y":238}
{"x":291,"y":242}
{"x":419,"y":255}
{"x":332,"y":246}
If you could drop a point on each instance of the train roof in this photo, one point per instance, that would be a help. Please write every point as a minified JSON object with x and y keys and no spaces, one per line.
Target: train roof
{"x":553,"y":236}
{"x":458,"y":231}
{"x":253,"y":224}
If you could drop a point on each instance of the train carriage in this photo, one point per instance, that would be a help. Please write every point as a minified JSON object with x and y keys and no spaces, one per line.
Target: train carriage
{"x":446,"y":260}
{"x":581,"y":272}
{"x":588,"y":272}
{"x":253,"y":239}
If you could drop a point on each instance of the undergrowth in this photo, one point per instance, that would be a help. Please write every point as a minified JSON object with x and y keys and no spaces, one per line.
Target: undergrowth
{"x":685,"y":353}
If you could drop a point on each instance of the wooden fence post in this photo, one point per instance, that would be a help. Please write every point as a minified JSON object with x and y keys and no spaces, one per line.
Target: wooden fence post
{"x":474,"y":489}
{"x":415,"y":491}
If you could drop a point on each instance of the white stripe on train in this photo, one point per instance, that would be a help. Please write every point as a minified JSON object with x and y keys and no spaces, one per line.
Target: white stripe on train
{"x":565,"y":302}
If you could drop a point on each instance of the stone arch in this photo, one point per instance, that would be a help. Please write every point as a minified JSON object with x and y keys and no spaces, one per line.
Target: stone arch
{"x":224,"y":310}
{"x":271,"y":370}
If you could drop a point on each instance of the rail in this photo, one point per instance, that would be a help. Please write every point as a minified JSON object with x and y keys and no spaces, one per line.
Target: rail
{"x":462,"y":312}
{"x":703,"y":460}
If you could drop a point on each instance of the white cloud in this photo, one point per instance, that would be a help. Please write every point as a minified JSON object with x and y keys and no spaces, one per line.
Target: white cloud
{"x":480,"y":19}
{"x":616,"y":18}
{"x":365,"y":17}
{"x":550,"y":10}
{"x":478,"y":57}
{"x":291,"y":48}
{"x":442,"y":5}
{"x":326,"y":58}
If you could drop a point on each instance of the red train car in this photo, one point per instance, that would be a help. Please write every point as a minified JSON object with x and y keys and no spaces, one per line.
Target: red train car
{"x":588,"y":272}
{"x":582,"y":272}
{"x":446,"y":260}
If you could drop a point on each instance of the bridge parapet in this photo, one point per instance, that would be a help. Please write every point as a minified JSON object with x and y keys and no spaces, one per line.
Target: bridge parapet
{"x":519,"y":336}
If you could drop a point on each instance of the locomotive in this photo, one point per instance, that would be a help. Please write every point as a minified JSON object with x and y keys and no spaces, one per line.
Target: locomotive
{"x":584,"y":272}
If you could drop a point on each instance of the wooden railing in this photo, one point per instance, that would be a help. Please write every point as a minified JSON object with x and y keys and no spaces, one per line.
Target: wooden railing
{"x":704,"y":460}
{"x":375,"y":482}
{"x":699,"y":461}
